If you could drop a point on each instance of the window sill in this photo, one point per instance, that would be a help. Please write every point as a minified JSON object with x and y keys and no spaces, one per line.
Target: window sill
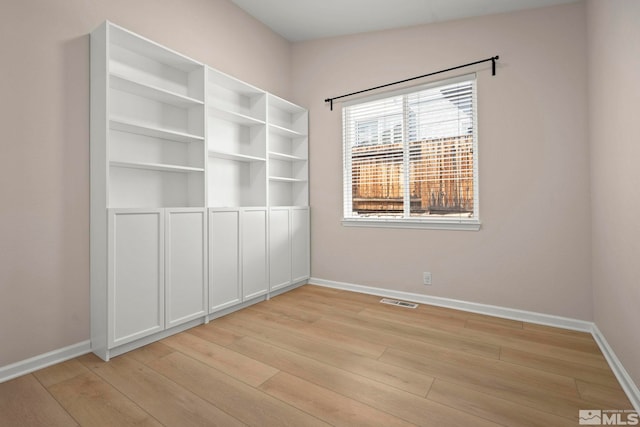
{"x":468,"y":225}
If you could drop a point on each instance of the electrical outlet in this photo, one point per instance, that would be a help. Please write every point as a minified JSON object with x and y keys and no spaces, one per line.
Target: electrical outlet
{"x":426,"y":278}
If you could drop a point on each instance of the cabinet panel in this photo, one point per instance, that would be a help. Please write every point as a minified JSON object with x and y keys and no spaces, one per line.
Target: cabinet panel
{"x":300,"y":244}
{"x":136,"y":274}
{"x":224,"y":259}
{"x":279,"y":248}
{"x":254,"y":252}
{"x":186,"y":287}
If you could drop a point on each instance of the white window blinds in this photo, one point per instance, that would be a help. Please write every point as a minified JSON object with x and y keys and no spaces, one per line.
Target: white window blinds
{"x":411,"y":156}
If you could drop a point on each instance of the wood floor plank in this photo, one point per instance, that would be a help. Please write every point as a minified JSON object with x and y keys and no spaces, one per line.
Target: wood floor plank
{"x":317,"y":306}
{"x":169,"y":403}
{"x":391,"y":375}
{"x":429,"y":320}
{"x":595,"y":359}
{"x":597,"y":375}
{"x":407,"y":316}
{"x":541,"y":396}
{"x":373,"y":301}
{"x":399,"y":403}
{"x":244,"y":402}
{"x":339,"y":294}
{"x":536,"y":336}
{"x":150,"y":352}
{"x":213,"y":333}
{"x":325,"y":404}
{"x":355,"y":300}
{"x":60,"y":372}
{"x":287,"y":311}
{"x":321,"y":301}
{"x":410,"y":343}
{"x":482,"y":371}
{"x":507,"y":323}
{"x":333,"y":337}
{"x":498,"y":410}
{"x":94,"y":402}
{"x":348,"y":301}
{"x":602,"y":396}
{"x":560,"y":331}
{"x":243,"y":368}
{"x":25,"y":402}
{"x":432,"y":336}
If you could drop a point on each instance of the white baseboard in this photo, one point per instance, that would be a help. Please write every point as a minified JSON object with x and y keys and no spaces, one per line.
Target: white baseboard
{"x":473,"y":307}
{"x":43,"y":360}
{"x":627,"y":384}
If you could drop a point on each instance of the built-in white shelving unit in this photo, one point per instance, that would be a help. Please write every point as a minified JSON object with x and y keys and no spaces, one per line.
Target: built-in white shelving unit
{"x":153,"y":106}
{"x":199,"y":192}
{"x":288,"y":153}
{"x":236,"y":142}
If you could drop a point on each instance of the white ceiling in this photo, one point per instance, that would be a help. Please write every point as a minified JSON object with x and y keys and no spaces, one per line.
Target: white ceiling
{"x":298,"y":20}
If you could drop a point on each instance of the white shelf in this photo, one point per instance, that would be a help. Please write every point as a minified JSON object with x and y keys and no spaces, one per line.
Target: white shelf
{"x":284,"y":105}
{"x":235,"y":117}
{"x":285,"y":179}
{"x":125,"y":125}
{"x":286,"y":157}
{"x":145,"y":47}
{"x":235,"y":156}
{"x":132,"y":86}
{"x":155,"y":166}
{"x":226,"y":81}
{"x":289,"y":133}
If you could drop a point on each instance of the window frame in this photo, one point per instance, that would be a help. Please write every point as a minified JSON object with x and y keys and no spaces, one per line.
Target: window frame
{"x":431,"y":222}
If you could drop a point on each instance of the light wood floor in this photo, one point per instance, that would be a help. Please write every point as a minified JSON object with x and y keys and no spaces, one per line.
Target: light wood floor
{"x":317,"y":356}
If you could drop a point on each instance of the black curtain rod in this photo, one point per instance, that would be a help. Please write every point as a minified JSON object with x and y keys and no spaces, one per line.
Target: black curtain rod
{"x":493,"y":60}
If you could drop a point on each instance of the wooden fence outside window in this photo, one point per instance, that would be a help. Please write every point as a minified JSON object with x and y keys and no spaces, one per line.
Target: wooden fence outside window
{"x":440,"y":177}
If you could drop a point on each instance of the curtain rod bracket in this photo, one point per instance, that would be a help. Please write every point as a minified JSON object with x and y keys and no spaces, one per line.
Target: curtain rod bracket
{"x":493,"y":60}
{"x":493,"y":64}
{"x":330,"y":101}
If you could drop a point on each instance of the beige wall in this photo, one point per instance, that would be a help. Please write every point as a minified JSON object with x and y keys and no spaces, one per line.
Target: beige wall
{"x":533,"y":251}
{"x":614,"y":92}
{"x":44,"y":148}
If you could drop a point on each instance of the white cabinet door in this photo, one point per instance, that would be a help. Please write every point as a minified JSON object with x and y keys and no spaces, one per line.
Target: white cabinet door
{"x":279,"y":248}
{"x":300,"y":244}
{"x":254,"y":252}
{"x":224,"y":259}
{"x":135,"y":274}
{"x":186,"y":287}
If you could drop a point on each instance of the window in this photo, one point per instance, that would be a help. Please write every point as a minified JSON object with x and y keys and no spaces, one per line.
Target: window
{"x":410,"y":157}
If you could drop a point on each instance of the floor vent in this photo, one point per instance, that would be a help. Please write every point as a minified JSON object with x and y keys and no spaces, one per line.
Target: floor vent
{"x":398,"y":303}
